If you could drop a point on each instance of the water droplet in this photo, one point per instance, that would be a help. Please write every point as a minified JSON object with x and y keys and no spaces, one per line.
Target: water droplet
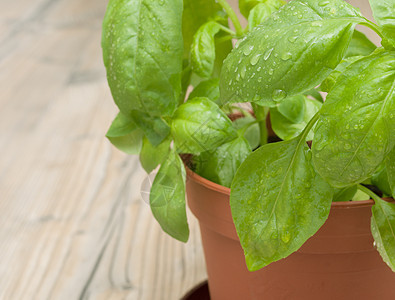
{"x":248,"y":50}
{"x":238,"y":77}
{"x":316,"y":24}
{"x":323,"y":3}
{"x":270,"y":71}
{"x":161,"y":2}
{"x":286,"y":56}
{"x":292,"y":39}
{"x":255,"y":59}
{"x":230,"y":82}
{"x":260,"y":68}
{"x":300,"y":16}
{"x":243,"y":72}
{"x":267,"y":54}
{"x":286,"y":237}
{"x":279,"y":95}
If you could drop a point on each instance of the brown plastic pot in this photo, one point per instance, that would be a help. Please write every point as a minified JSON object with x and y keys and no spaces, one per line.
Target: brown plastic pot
{"x":338,"y":262}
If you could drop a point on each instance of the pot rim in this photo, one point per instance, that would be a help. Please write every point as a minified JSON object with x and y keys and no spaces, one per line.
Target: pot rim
{"x":225,"y":190}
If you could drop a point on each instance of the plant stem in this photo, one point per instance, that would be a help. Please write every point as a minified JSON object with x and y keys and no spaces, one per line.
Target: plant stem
{"x":261,"y":116}
{"x":374,"y":27}
{"x":232,"y":15}
{"x":227,"y":30}
{"x":310,"y":125}
{"x":369,"y":192}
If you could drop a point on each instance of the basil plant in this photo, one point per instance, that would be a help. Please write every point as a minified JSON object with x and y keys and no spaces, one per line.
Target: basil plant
{"x":178,"y":70}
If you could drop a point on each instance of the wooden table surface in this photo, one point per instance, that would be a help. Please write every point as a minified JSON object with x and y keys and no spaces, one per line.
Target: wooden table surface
{"x":73,"y":224}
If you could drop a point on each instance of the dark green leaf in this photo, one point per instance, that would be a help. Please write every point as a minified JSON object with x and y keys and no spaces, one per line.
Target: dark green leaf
{"x":262,"y":11}
{"x":390,"y":166}
{"x":360,"y":45}
{"x":278,"y":201}
{"x":383,"y":230}
{"x":199,"y":125}
{"x":356,"y":130}
{"x":344,"y":194}
{"x":380,"y":179}
{"x":291,"y":52}
{"x":291,"y":116}
{"x":203,"y":49}
{"x":151,"y":157}
{"x":252,"y":133}
{"x":125,"y":135}
{"x":167,"y":198}
{"x":330,"y":81}
{"x":155,"y":129}
{"x":221,"y":165}
{"x":384,"y":14}
{"x":142,"y":51}
{"x":208,"y":89}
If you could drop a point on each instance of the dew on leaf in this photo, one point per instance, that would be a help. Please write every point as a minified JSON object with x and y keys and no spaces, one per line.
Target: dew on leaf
{"x":255,"y":59}
{"x":267,"y":54}
{"x":243,"y":72}
{"x":286,"y":56}
{"x":270,"y":71}
{"x":248,"y":50}
{"x":278,"y":95}
{"x":323,"y":3}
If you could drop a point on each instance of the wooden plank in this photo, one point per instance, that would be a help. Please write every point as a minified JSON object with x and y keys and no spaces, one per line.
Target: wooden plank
{"x":73,"y":224}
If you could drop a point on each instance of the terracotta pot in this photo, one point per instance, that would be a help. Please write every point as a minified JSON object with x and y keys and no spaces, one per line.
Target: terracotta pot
{"x":339,"y":262}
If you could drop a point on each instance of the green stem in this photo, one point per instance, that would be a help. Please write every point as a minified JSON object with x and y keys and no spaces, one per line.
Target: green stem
{"x":369,"y":192}
{"x":227,"y":30}
{"x":310,"y":125}
{"x":261,"y":116}
{"x":374,"y":27}
{"x":232,"y":15}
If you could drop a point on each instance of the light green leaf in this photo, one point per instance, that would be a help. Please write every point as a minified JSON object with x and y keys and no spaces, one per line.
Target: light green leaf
{"x":380,"y":180}
{"x":151,"y":157}
{"x":278,"y":201}
{"x":142,"y":51}
{"x":252,"y":133}
{"x":390,"y":166}
{"x":203,"y":49}
{"x":125,"y":135}
{"x":199,"y":125}
{"x":384,"y":14}
{"x":208,"y":89}
{"x":291,"y":117}
{"x":330,"y":81}
{"x":221,"y":165}
{"x":167,"y":197}
{"x":262,"y":11}
{"x":360,"y":45}
{"x":291,"y":52}
{"x":383,"y":230}
{"x":356,"y":130}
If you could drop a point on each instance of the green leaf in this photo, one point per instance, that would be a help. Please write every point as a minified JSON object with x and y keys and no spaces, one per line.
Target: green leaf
{"x":151,"y":157}
{"x":380,"y":179}
{"x":167,"y":198}
{"x":390,"y":166}
{"x":155,"y":129}
{"x":356,"y":130}
{"x":252,"y":133}
{"x":294,"y":50}
{"x":208,"y":89}
{"x":199,"y":125}
{"x":330,"y":81}
{"x":203,"y":49}
{"x":345,"y":194}
{"x":360,"y":45}
{"x":198,"y":12}
{"x":291,"y":117}
{"x":383,"y":230}
{"x":314,"y":94}
{"x":278,"y":201}
{"x":142,"y":51}
{"x":262,"y":11}
{"x":125,"y":135}
{"x":221,"y":165}
{"x":384,"y":14}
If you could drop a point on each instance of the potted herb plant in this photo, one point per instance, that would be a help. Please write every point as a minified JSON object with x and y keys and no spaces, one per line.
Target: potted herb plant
{"x":281,"y":203}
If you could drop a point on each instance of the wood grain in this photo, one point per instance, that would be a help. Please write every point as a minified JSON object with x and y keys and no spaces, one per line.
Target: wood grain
{"x":73,"y":223}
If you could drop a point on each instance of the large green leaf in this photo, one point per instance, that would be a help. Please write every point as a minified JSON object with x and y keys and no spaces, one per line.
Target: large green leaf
{"x":383,"y":230}
{"x":203,"y":49}
{"x":390,"y":166}
{"x":249,"y":125}
{"x":125,"y":135}
{"x":262,"y":11}
{"x":360,"y":45}
{"x":291,"y":117}
{"x":384,"y":14}
{"x":142,"y":51}
{"x":221,"y":165}
{"x":380,"y":180}
{"x":167,"y":197}
{"x":208,"y":89}
{"x":291,"y":52}
{"x":199,"y":125}
{"x":278,"y":201}
{"x":345,"y":194}
{"x":356,"y":130}
{"x":151,"y":156}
